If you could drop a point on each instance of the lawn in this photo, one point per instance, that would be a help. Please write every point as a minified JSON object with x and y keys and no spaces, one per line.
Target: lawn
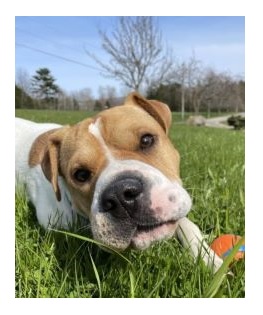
{"x":51,"y":264}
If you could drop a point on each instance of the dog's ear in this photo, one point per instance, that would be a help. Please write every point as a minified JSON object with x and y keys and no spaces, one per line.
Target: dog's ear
{"x":158,"y":110}
{"x":50,"y":160}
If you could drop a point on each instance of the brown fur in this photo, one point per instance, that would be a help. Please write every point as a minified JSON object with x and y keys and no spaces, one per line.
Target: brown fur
{"x":39,"y":148}
{"x":66,"y":149}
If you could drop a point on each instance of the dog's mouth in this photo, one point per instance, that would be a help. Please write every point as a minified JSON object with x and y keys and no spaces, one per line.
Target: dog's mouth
{"x":146,"y":234}
{"x":151,"y":227}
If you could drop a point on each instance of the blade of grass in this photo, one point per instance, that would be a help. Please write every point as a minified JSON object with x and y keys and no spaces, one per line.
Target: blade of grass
{"x":62,"y":285}
{"x":156,"y":286}
{"x":214,"y":286}
{"x":87,"y":239}
{"x":132,"y":284}
{"x":96,"y":274}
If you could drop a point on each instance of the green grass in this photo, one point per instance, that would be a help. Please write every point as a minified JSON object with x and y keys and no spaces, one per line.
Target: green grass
{"x":51,"y":264}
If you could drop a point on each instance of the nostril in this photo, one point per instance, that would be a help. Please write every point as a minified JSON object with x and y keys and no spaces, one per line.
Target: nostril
{"x":131,"y":193}
{"x":108,"y":204}
{"x":122,"y":196}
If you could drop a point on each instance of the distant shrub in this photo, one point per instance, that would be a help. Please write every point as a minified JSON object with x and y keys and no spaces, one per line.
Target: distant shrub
{"x":238,"y":121}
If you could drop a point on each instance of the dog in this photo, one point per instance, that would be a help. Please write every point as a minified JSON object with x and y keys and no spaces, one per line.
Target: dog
{"x":118,"y":169}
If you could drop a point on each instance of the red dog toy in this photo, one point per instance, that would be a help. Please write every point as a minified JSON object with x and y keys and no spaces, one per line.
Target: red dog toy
{"x":223,"y":245}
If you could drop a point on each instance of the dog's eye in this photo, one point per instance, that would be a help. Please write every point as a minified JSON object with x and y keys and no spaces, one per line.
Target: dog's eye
{"x":82,"y":175}
{"x":147,"y":141}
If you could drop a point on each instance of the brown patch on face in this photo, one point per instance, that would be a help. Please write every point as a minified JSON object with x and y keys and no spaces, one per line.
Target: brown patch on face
{"x":81,"y":150}
{"x":64,"y":150}
{"x":122,"y":129}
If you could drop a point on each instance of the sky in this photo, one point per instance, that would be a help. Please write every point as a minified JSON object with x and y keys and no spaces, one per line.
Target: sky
{"x":61,"y":44}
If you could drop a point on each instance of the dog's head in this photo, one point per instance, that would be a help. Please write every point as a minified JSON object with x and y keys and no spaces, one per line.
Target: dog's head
{"x":122,"y":173}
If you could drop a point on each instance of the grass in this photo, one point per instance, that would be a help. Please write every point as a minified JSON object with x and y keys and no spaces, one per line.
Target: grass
{"x":52,"y":264}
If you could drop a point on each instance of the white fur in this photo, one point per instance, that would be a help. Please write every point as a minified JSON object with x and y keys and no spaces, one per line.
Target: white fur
{"x":94,"y":129}
{"x":187,"y":232}
{"x":51,"y":212}
{"x":153,"y":175}
{"x":156,"y":179}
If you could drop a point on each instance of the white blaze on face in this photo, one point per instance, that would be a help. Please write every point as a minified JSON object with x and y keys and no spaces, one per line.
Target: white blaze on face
{"x":94,"y":129}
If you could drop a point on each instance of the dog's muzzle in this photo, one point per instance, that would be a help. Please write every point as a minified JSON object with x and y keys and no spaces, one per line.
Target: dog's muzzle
{"x":134,"y":204}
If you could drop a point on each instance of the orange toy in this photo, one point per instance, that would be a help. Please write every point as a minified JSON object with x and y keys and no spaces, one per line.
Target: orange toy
{"x":223,"y":245}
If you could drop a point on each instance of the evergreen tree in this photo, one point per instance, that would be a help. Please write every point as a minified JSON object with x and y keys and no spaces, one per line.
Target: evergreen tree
{"x":44,"y":87}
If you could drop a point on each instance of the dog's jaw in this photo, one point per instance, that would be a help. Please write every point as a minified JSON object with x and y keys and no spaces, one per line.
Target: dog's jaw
{"x":168,"y":202}
{"x":144,"y":238}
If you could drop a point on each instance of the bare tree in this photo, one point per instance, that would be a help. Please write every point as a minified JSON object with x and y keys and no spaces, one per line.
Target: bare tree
{"x":194,"y":76}
{"x":23,"y":80}
{"x":107,"y":96}
{"x":218,"y":91}
{"x":201,"y":88}
{"x":85,"y":99}
{"x":180,"y":76}
{"x":66,"y":101}
{"x":239,"y":90}
{"x":111,"y":94}
{"x":188,"y":75}
{"x":135,"y":49}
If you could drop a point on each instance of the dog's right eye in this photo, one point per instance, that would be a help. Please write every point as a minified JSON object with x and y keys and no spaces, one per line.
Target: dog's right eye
{"x":82,"y":175}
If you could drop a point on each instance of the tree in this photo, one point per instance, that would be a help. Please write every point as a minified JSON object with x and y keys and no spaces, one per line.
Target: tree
{"x":23,"y":80}
{"x":197,"y":88}
{"x":240,"y":94}
{"x":135,"y":49}
{"x":187,"y":74}
{"x":24,"y":84}
{"x":181,"y":74}
{"x":107,"y":96}
{"x":22,"y":99}
{"x":85,"y":99}
{"x":44,"y":87}
{"x":167,"y":93}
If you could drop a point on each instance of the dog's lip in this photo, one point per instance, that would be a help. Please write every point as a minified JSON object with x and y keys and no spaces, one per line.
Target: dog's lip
{"x":152,"y":233}
{"x":151,"y":227}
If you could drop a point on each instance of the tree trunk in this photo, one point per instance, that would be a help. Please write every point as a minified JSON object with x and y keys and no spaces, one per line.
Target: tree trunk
{"x":182,"y":103}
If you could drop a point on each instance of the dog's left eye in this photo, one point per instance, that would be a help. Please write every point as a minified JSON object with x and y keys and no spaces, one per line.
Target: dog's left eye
{"x":147,"y":141}
{"x":82,"y":175}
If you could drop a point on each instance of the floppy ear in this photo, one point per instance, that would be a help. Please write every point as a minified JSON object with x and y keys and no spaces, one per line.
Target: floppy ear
{"x":50,"y":161}
{"x":158,"y":110}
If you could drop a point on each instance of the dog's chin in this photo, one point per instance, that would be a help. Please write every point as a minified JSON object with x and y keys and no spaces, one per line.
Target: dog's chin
{"x":144,"y":236}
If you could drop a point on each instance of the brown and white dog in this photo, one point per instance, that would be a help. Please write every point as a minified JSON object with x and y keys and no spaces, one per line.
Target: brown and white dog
{"x":118,"y":169}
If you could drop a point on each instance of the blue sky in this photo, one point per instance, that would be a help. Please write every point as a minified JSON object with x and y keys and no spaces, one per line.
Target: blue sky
{"x":219,"y":42}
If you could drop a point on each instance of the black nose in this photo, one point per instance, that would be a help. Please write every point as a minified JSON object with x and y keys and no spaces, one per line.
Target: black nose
{"x":122,"y":197}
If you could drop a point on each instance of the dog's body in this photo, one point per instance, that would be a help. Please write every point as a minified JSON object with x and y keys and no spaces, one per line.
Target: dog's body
{"x":118,"y":169}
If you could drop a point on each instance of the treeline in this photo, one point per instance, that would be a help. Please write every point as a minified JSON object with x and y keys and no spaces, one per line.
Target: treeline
{"x":210,"y":91}
{"x":41,"y":92}
{"x":207,"y":91}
